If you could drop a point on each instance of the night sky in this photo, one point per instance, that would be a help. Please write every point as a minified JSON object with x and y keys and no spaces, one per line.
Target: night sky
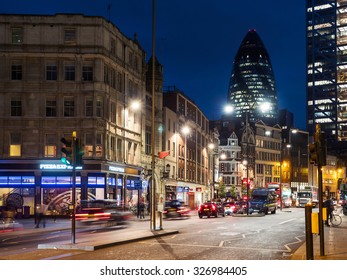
{"x":197,"y":40}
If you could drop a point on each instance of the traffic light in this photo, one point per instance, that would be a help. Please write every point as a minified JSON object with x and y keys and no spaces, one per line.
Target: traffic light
{"x":79,"y":153}
{"x":313,"y":150}
{"x":67,"y":150}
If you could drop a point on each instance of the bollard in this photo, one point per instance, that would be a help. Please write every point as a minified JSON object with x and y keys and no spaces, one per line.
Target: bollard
{"x":309,"y":235}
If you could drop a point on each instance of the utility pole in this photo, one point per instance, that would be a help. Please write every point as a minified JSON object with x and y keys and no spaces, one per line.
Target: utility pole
{"x":318,"y":151}
{"x":71,"y":153}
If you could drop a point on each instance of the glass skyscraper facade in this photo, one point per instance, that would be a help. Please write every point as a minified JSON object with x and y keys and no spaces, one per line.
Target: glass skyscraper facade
{"x":252,"y":82}
{"x":326,"y":22}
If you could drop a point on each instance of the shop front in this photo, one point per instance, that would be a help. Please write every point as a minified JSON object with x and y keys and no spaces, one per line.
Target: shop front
{"x":191,"y":194}
{"x":50,"y":182}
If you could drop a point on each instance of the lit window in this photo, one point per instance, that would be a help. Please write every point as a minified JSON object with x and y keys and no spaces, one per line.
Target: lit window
{"x":50,"y":147}
{"x":15,"y":150}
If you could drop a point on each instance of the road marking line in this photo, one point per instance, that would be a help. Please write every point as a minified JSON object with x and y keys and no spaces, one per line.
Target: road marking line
{"x":287,"y":221}
{"x":214,"y":246}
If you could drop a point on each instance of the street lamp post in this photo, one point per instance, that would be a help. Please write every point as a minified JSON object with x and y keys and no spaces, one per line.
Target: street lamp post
{"x":153,"y":186}
{"x":247,"y":163}
{"x":211,"y":146}
{"x":185,"y":131}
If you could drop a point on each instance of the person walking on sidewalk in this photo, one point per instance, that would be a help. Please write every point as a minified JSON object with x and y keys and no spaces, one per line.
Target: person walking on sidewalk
{"x":329,"y":205}
{"x":40,"y":212}
{"x":142,"y":209}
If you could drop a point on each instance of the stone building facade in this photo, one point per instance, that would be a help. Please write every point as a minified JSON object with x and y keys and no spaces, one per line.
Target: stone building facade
{"x":65,"y":73}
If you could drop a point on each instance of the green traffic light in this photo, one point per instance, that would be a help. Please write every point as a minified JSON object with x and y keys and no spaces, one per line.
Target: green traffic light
{"x":64,"y":160}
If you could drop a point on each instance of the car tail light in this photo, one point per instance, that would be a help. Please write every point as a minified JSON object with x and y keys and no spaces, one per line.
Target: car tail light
{"x":99,"y":216}
{"x":213,"y":207}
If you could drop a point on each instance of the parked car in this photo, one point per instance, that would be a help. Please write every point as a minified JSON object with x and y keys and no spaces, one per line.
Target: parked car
{"x":103,"y":212}
{"x":175,"y":209}
{"x":229,"y":207}
{"x":211,"y":209}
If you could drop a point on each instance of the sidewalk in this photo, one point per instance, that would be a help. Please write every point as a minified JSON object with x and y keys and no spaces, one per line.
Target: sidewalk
{"x":335,"y":244}
{"x":136,"y":230}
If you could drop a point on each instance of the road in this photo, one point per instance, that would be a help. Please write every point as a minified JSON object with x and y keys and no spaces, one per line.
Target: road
{"x":271,"y":237}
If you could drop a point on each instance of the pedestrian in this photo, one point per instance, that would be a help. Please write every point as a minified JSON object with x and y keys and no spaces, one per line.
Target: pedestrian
{"x":142,"y":209}
{"x":40,"y":212}
{"x":329,"y":205}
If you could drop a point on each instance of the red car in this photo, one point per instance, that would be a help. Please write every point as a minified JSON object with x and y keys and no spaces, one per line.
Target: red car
{"x":211,"y":209}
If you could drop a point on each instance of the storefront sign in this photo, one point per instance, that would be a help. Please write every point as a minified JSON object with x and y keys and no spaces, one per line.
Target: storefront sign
{"x":116,"y":169}
{"x":199,"y":189}
{"x":182,"y":189}
{"x":53,"y":166}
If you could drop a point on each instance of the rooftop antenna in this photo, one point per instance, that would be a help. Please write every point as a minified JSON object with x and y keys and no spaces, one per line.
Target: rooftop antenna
{"x":109,"y":6}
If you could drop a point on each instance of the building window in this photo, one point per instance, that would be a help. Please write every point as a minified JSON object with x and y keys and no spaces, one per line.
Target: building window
{"x":70,"y":35}
{"x":69,"y":107}
{"x":119,"y":150}
{"x":51,"y":72}
{"x":89,"y":107}
{"x":51,"y":107}
{"x":106,"y":75}
{"x":113,"y":112}
{"x":88,"y":147}
{"x":16,"y":107}
{"x":148,"y":141}
{"x":17,"y":35}
{"x":87,"y":73}
{"x":69,"y":72}
{"x":50,"y":147}
{"x":15,"y":145}
{"x":98,"y":148}
{"x":113,"y":46}
{"x":16,"y":71}
{"x":99,"y":107}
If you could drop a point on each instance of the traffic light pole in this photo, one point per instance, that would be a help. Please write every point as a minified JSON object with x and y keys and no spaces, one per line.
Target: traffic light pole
{"x":73,"y":218}
{"x":318,"y":151}
{"x":73,"y":189}
{"x":320,"y":216}
{"x":72,"y":157}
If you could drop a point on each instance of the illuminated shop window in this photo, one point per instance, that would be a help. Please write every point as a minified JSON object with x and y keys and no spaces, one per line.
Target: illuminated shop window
{"x":15,"y":150}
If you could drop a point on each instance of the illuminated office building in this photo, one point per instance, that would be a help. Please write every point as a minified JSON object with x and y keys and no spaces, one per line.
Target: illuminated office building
{"x":326,"y":69}
{"x":252,"y":81}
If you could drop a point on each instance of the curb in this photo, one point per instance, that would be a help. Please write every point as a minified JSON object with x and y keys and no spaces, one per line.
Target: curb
{"x":93,"y":247}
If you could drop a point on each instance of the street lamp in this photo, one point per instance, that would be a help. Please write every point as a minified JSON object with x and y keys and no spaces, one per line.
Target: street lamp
{"x":135,"y":106}
{"x":211,"y":146}
{"x":185,"y":131}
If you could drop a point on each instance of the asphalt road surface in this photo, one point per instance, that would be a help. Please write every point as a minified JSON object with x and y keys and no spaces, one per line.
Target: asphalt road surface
{"x":271,"y":237}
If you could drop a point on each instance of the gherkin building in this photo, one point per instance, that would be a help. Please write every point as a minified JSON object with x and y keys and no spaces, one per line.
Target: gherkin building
{"x":252,"y":89}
